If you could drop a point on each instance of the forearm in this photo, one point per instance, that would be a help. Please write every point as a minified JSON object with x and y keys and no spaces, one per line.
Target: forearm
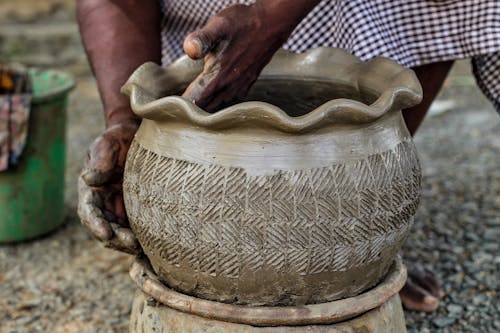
{"x":118,"y":36}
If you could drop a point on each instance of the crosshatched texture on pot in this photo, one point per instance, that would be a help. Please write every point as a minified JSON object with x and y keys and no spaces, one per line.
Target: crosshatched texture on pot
{"x":218,"y":233}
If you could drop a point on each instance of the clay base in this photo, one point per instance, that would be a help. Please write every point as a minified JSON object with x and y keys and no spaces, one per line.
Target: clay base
{"x":149,"y":316}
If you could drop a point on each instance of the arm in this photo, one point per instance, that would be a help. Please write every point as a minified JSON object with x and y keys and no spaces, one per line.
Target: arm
{"x":118,"y":36}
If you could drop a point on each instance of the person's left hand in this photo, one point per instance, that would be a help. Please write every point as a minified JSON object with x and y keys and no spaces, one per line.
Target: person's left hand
{"x":237,"y":43}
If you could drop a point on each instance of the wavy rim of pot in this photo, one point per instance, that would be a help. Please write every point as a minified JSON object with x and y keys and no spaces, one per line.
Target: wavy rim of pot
{"x":151,"y":86}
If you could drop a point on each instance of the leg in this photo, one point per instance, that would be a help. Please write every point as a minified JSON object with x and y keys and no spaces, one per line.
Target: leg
{"x":431,"y":77}
{"x":422,"y":290}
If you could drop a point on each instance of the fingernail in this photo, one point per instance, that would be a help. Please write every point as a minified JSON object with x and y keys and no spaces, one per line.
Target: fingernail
{"x":193,"y":47}
{"x":202,"y":47}
{"x":198,"y":43}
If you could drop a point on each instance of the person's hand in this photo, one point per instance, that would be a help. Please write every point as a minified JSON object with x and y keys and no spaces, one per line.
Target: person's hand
{"x":100,"y":204}
{"x":237,"y":43}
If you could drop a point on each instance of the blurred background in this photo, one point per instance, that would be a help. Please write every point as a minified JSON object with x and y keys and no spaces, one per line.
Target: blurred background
{"x":67,"y":282}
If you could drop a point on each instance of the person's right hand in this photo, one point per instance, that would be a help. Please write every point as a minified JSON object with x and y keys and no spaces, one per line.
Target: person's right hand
{"x":237,"y":43}
{"x":100,"y":203}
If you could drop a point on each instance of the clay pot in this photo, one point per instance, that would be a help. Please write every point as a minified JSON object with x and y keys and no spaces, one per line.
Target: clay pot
{"x":302,"y":195}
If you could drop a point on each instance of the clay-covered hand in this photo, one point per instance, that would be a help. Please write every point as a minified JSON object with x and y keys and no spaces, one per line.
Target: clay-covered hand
{"x":100,"y":204}
{"x":237,"y":43}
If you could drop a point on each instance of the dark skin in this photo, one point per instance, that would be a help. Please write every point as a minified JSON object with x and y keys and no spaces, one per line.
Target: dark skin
{"x":431,"y":78}
{"x":101,"y":205}
{"x":236,"y":44}
{"x":422,"y":290}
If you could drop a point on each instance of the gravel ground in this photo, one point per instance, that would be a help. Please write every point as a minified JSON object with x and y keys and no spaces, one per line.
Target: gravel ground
{"x":66,"y":282}
{"x":457,"y":227}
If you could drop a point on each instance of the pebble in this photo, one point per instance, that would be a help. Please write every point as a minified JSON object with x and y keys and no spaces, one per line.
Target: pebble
{"x":492,"y":234}
{"x":454,"y":309}
{"x":443,"y":321}
{"x":479,"y":299}
{"x":482,"y":257}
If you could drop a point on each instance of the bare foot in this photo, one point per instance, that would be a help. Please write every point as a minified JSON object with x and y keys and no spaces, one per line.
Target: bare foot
{"x":422,"y":291}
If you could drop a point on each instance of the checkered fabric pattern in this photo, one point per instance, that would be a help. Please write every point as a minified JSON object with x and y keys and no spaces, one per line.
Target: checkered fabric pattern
{"x":486,"y":68}
{"x":412,"y":32}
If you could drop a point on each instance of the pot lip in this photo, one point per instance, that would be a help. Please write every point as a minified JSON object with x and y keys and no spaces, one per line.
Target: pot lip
{"x":324,"y":313}
{"x":150,"y":88}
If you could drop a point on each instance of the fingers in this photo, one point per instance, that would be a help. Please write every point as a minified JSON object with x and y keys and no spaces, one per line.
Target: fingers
{"x":113,"y":235}
{"x":416,"y":298}
{"x":100,"y":205}
{"x":199,"y":43}
{"x":228,"y":95}
{"x":113,"y":206}
{"x":422,"y":290}
{"x":235,"y":51}
{"x":119,"y":209}
{"x":427,"y":279}
{"x":201,"y":89}
{"x":124,"y":240}
{"x":90,"y":215}
{"x":217,"y":90}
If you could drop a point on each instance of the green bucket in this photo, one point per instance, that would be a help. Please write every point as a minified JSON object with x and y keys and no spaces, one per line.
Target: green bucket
{"x":32,"y":192}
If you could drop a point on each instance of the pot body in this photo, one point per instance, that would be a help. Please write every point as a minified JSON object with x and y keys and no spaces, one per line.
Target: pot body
{"x":264,"y":217}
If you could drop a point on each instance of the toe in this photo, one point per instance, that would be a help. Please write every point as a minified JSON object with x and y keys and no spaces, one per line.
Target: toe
{"x":416,"y":298}
{"x":427,"y":280}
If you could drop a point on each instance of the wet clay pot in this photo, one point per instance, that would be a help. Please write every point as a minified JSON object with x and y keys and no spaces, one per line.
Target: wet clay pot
{"x":301,"y":194}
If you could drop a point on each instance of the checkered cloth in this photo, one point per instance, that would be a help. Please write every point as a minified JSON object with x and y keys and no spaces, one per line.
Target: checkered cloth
{"x":412,"y":32}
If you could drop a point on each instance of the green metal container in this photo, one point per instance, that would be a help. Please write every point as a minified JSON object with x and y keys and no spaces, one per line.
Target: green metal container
{"x":32,"y":193}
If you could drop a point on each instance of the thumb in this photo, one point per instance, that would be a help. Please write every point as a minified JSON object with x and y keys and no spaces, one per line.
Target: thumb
{"x":200,"y":42}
